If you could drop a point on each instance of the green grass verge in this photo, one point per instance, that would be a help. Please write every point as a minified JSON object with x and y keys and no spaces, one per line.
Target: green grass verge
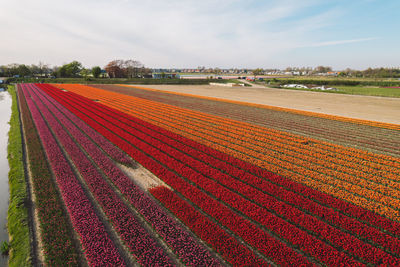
{"x":367,"y":90}
{"x":355,"y":90}
{"x":334,"y":81}
{"x":18,"y":226}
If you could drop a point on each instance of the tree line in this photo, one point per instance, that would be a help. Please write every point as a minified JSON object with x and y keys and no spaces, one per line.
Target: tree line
{"x":114,"y":69}
{"x":368,"y":73}
{"x":135,"y":69}
{"x":372,"y":73}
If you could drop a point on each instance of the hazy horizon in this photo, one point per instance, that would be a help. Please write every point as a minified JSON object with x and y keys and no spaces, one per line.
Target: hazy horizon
{"x":226,"y":34}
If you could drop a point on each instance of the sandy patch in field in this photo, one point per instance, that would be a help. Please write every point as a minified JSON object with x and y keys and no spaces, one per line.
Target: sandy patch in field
{"x":382,"y":109}
{"x":142,"y":177}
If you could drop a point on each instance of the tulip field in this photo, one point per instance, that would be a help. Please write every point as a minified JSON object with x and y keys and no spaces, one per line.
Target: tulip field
{"x":243,"y":185}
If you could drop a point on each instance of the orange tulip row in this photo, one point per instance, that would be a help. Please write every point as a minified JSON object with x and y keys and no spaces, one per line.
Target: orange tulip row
{"x":279,"y":151}
{"x":323,"y":173}
{"x":306,"y":113}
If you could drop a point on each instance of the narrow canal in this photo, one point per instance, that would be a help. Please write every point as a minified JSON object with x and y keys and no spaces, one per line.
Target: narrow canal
{"x":5,"y":114}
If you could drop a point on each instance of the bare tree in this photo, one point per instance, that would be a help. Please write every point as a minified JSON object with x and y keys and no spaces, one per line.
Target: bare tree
{"x":131,"y":68}
{"x":124,"y":68}
{"x":115,"y":69}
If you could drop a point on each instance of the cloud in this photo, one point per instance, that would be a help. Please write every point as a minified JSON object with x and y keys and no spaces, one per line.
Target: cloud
{"x":219,"y":33}
{"x":340,"y":42}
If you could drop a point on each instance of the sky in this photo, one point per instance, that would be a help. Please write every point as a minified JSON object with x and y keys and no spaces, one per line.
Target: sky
{"x":212,"y":33}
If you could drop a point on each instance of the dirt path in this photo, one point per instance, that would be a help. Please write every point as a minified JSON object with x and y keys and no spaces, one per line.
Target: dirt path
{"x":381,"y":109}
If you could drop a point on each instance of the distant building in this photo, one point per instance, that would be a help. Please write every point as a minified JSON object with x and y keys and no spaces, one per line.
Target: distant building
{"x":104,"y":74}
{"x":165,"y":75}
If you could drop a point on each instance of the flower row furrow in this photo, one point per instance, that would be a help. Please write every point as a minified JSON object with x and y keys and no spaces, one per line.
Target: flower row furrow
{"x":185,"y":164}
{"x":255,"y":195}
{"x":267,"y":219}
{"x":262,"y":241}
{"x":359,"y":211}
{"x":179,"y":240}
{"x":98,"y":247}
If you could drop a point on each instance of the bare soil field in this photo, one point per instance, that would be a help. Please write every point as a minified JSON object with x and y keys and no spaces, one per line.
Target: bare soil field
{"x":382,"y":109}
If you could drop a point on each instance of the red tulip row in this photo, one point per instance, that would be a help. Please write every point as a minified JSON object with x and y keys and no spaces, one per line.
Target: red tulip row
{"x":98,"y":247}
{"x":256,"y":237}
{"x":178,"y":239}
{"x":227,"y":246}
{"x":336,"y":236}
{"x":55,"y":229}
{"x":131,"y":231}
{"x":311,"y":223}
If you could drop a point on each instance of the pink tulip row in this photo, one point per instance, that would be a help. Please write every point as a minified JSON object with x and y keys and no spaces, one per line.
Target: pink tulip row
{"x":102,"y":142}
{"x":131,"y":231}
{"x":98,"y":247}
{"x":177,"y":238}
{"x":55,"y":228}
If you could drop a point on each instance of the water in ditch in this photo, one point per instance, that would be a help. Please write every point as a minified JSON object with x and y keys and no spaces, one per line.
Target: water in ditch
{"x":5,"y":114}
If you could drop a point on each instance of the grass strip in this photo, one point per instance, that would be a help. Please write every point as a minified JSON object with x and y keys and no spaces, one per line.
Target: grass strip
{"x":18,"y":226}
